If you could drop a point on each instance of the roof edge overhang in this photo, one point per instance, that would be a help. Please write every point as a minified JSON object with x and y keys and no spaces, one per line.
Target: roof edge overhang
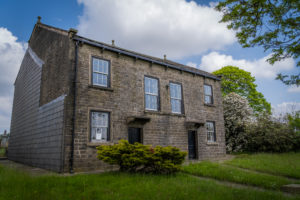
{"x":141,"y":57}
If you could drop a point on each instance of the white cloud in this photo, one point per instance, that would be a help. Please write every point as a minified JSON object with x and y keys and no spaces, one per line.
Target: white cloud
{"x":192,"y":64}
{"x":285,"y":107}
{"x":294,"y":89}
{"x":173,"y":27}
{"x":11,"y":55}
{"x":259,"y":68}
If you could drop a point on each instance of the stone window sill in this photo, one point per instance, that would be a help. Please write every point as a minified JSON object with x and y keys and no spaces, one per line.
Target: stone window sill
{"x":96,"y":144}
{"x":163,"y":113}
{"x":212,"y":143}
{"x":209,"y":105}
{"x":101,"y":88}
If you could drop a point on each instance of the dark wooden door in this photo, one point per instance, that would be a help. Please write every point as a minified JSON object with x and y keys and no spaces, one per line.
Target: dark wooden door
{"x":192,"y":144}
{"x":134,"y":135}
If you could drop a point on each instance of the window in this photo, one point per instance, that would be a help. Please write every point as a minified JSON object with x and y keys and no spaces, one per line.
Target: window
{"x":99,"y":126}
{"x":151,"y":93}
{"x":208,"y":95}
{"x":176,"y":98}
{"x":100,"y":76}
{"x":211,"y":133}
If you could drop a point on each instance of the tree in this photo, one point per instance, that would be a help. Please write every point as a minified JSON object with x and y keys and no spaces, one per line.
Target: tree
{"x":237,"y":114}
{"x":272,"y":24}
{"x":294,"y":120}
{"x":241,"y":82}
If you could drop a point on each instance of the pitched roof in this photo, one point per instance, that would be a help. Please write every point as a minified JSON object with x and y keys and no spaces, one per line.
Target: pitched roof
{"x":136,"y":55}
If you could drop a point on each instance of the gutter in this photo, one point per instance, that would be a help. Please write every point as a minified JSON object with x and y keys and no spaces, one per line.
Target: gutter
{"x":137,"y":56}
{"x":71,"y":161}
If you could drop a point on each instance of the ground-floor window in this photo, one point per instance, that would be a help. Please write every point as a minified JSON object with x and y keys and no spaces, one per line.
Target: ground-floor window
{"x":99,"y":126}
{"x":211,"y":131}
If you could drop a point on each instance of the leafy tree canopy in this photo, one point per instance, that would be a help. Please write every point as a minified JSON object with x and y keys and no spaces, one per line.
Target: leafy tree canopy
{"x":241,"y":82}
{"x":272,"y":24}
{"x":237,"y":115}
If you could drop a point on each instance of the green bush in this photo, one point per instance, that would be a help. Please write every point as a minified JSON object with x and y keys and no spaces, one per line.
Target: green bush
{"x":142,"y":158}
{"x":267,"y":135}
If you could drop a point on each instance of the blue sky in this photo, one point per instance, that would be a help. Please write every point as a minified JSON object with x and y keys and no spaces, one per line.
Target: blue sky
{"x":188,"y":32}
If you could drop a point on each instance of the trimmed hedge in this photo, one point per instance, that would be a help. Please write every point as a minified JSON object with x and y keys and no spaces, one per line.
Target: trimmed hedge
{"x":142,"y":158}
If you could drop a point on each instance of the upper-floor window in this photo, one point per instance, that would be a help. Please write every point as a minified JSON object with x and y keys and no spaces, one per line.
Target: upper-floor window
{"x":211,"y":131}
{"x":99,"y":126}
{"x":208,"y":94}
{"x":151,"y":94}
{"x":100,"y":72}
{"x":176,"y":98}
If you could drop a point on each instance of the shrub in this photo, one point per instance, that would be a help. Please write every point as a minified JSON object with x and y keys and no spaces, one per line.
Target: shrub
{"x":142,"y":158}
{"x":267,"y":135}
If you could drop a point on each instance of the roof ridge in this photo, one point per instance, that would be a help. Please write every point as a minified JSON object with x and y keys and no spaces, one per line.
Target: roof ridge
{"x":171,"y":64}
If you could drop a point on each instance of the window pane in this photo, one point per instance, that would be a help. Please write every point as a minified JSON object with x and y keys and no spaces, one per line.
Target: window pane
{"x":100,"y":72}
{"x":154,"y":86}
{"x":207,"y":100}
{"x":151,"y":85}
{"x":147,"y":85}
{"x":151,"y":102}
{"x":210,"y":129}
{"x":151,"y":93}
{"x":176,"y":106}
{"x":175,"y":91}
{"x":178,"y":91}
{"x":100,"y":79}
{"x":207,"y":90}
{"x":103,"y":66}
{"x":99,"y":126}
{"x":95,"y":65}
{"x":172,"y":90}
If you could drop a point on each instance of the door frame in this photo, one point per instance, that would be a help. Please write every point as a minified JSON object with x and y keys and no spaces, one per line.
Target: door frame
{"x":141,"y":133}
{"x":196,"y":144}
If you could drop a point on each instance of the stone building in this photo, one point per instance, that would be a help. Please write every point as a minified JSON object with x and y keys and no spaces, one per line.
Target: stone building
{"x":73,"y":94}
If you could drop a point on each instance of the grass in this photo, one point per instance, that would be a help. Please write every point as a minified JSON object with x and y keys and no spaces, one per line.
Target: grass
{"x":228,"y":173}
{"x":2,"y":152}
{"x":18,"y":185}
{"x":285,"y":164}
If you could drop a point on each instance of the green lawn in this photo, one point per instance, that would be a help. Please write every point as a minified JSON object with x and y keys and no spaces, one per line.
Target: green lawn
{"x":233,"y":174}
{"x":2,"y":152}
{"x":285,"y":164}
{"x":17,"y":185}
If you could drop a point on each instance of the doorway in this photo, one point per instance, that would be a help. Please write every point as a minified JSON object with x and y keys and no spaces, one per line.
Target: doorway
{"x":192,"y":144}
{"x":134,"y":135}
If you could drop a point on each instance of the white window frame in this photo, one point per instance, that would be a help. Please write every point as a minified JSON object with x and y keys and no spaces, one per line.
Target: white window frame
{"x":178,"y":99}
{"x":211,"y":134}
{"x":208,"y":95}
{"x":99,"y":126}
{"x":102,"y":73}
{"x":151,"y":94}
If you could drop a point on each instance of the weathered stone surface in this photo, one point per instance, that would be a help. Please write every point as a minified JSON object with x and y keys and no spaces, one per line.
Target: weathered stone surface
{"x":127,"y":99}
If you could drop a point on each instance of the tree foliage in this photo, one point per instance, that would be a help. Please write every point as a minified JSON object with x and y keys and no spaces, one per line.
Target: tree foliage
{"x":294,"y":120}
{"x":268,"y":135}
{"x":261,"y":134}
{"x":241,"y":82}
{"x":237,"y":115}
{"x":272,"y":24}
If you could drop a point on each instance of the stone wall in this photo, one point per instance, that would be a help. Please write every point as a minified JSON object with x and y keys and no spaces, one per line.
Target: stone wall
{"x":125,"y":98}
{"x":36,"y":132}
